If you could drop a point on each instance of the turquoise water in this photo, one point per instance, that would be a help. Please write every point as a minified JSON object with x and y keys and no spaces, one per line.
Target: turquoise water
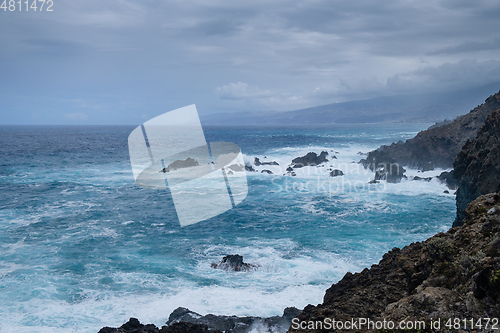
{"x":81,"y":246}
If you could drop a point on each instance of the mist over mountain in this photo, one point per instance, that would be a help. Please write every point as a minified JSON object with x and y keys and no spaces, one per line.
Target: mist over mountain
{"x":429,"y":107}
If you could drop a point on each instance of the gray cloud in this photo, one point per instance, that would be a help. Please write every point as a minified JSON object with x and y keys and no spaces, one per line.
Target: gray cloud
{"x":164,"y":55}
{"x":469,"y":47}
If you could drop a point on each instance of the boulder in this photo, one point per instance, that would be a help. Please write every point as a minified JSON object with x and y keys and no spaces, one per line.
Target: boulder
{"x":234,"y":262}
{"x":310,"y":159}
{"x":335,"y":173}
{"x":448,"y":178}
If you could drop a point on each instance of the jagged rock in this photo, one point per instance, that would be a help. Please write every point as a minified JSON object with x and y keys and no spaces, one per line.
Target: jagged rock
{"x":426,"y":179}
{"x":435,"y":147}
{"x":234,"y":262}
{"x":477,"y":166}
{"x":183,"y":327}
{"x":131,"y":326}
{"x":336,"y":173}
{"x":233,"y":324}
{"x":455,"y":274}
{"x":289,"y":169}
{"x":310,"y":159}
{"x":269,"y":172}
{"x":448,"y":177}
{"x":257,"y":162}
{"x":249,"y":168}
{"x":446,"y":191}
{"x":391,"y":172}
{"x":179,"y":164}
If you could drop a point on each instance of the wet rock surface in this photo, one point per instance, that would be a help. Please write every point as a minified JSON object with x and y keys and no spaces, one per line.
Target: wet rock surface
{"x":183,"y":320}
{"x":310,"y":159}
{"x":179,"y":164}
{"x":234,"y":262}
{"x":477,"y":166}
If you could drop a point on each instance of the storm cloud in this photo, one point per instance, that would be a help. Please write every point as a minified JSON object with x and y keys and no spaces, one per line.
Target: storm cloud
{"x":125,"y":59}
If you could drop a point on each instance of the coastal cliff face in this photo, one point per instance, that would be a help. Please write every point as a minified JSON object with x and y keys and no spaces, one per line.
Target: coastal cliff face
{"x":477,"y":165}
{"x":451,"y":275}
{"x":435,"y":147}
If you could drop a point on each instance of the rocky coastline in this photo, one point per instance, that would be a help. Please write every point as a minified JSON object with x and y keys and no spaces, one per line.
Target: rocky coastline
{"x":433,"y":148}
{"x":450,"y":275}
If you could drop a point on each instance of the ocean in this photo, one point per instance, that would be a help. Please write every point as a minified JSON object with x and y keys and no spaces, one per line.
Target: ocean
{"x":82,"y":246}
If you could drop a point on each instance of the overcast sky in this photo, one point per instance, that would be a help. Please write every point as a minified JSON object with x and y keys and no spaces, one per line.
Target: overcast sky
{"x":123,"y":62}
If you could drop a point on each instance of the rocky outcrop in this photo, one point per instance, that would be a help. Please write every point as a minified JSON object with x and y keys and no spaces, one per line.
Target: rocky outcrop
{"x":183,"y":320}
{"x":310,"y":159}
{"x":234,"y":324}
{"x":435,"y":147}
{"x":477,"y":165}
{"x":179,"y":164}
{"x":451,"y":275}
{"x":448,"y":177}
{"x":233,"y":262}
{"x":257,"y":162}
{"x":336,"y":173}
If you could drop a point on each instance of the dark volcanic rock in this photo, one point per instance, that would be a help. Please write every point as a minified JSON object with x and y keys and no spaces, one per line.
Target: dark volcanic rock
{"x":183,"y":327}
{"x":234,"y":262}
{"x":336,"y":173}
{"x":451,"y":275}
{"x":269,"y":172}
{"x":435,"y":147}
{"x":448,"y":177}
{"x":477,"y":166}
{"x":426,"y":179}
{"x":392,"y":172}
{"x":257,"y":162}
{"x":310,"y":159}
{"x":233,"y":324}
{"x":179,"y":164}
{"x":131,"y":326}
{"x":249,"y":168}
{"x":289,"y":169}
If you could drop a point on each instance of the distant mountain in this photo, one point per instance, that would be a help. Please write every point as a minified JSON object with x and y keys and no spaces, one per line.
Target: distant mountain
{"x":431,"y":107}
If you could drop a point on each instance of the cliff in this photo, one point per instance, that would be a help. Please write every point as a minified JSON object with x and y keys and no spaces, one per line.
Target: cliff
{"x":435,"y":147}
{"x":477,"y":165}
{"x":451,"y":275}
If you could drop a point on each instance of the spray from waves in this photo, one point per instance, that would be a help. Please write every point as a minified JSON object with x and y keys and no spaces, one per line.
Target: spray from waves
{"x":287,"y":276}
